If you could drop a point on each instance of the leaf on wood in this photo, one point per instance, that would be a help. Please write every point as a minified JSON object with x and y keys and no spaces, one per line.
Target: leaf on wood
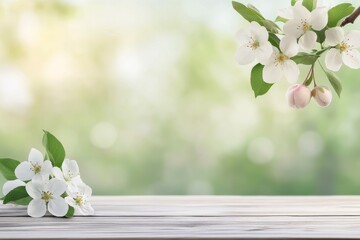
{"x":16,"y":195}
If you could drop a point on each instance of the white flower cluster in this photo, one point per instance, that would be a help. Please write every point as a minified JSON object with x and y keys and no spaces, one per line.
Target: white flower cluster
{"x":51,"y":188}
{"x":299,"y":43}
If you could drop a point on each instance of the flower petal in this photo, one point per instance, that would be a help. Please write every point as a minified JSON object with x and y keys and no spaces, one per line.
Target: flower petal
{"x":243,"y":36}
{"x":263,"y":53}
{"x":319,"y":18}
{"x":352,"y":59}
{"x":333,"y":60}
{"x":39,"y":178}
{"x":34,"y":189}
{"x":286,"y":13}
{"x":290,"y":95}
{"x":11,"y":185}
{"x":71,"y":202}
{"x":58,"y":174}
{"x":353,"y":38}
{"x":35,"y":157}
{"x":85,"y":190}
{"x":258,"y":32}
{"x":72,"y":168}
{"x":36,"y":208}
{"x":86,"y":209}
{"x":24,"y":171}
{"x":334,"y":36}
{"x":77,"y":180}
{"x":65,"y":165}
{"x":58,"y":207}
{"x":57,"y":187}
{"x":245,"y":55}
{"x":272,"y":73}
{"x":308,"y":40}
{"x":289,"y":46}
{"x":301,"y":12}
{"x":302,"y":96}
{"x":46,"y":168}
{"x":291,"y":71}
{"x":292,"y":28}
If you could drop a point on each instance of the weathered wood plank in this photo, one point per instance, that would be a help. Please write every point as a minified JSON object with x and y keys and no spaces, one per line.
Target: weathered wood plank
{"x":195,"y":217}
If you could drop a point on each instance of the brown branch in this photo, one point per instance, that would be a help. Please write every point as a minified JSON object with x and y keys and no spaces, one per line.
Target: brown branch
{"x":351,"y":18}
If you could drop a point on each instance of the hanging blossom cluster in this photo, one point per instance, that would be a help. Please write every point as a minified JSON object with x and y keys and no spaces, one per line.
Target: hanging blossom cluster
{"x":46,"y":183}
{"x":301,"y":34}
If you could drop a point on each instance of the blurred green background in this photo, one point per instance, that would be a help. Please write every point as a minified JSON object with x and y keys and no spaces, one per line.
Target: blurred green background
{"x":149,"y":99}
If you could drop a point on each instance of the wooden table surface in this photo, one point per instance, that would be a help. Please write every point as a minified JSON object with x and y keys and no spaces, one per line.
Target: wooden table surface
{"x":195,"y":217}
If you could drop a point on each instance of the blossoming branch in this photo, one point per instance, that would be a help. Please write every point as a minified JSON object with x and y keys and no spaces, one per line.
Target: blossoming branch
{"x":301,"y":34}
{"x":46,"y":183}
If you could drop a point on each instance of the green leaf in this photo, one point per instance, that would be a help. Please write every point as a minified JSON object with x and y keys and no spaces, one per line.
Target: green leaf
{"x":309,"y":4}
{"x":335,"y":82}
{"x":305,"y":58}
{"x":339,"y":12}
{"x":274,"y":40}
{"x":293,"y":2}
{"x":23,"y":201}
{"x":17,"y":194}
{"x":281,"y":19}
{"x":270,"y":26}
{"x":257,"y":83}
{"x":250,"y":6}
{"x":321,"y":35}
{"x":7,"y":168}
{"x":70,"y":212}
{"x":54,"y":149}
{"x":248,"y":13}
{"x":251,"y":14}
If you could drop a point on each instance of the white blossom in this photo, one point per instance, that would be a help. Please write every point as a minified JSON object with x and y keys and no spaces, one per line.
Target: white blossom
{"x":254,"y":44}
{"x":343,"y":48}
{"x":35,"y":168}
{"x":288,"y":12}
{"x":47,"y":195}
{"x":69,"y":173}
{"x":280,"y":64}
{"x":303,"y":23}
{"x":79,"y":199}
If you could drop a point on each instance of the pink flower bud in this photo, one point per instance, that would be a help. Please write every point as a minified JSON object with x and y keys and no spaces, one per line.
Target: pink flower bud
{"x":298,"y":96}
{"x":322,"y":95}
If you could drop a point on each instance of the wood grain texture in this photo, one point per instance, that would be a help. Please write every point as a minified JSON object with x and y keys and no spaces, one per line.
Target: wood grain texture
{"x":195,"y":217}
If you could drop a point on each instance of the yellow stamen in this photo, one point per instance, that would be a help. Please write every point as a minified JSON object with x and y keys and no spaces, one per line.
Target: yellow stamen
{"x":305,"y":26}
{"x":46,"y":196}
{"x":253,"y":44}
{"x":36,"y":168}
{"x":280,"y":58}
{"x":343,"y":47}
{"x":79,"y":200}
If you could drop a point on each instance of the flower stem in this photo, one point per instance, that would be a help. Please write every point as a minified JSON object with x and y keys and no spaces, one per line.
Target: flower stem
{"x":309,"y":75}
{"x":321,"y":66}
{"x":351,"y":18}
{"x":313,"y":74}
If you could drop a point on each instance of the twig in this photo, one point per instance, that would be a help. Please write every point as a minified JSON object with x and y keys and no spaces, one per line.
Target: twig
{"x":351,"y":18}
